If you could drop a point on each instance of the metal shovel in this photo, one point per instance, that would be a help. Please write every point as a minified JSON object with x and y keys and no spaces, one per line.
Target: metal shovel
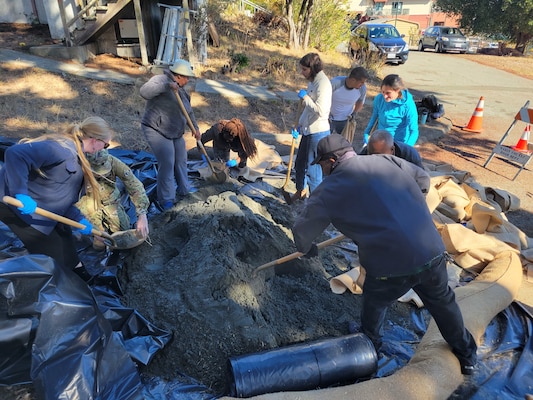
{"x":122,"y":240}
{"x":219,"y":176}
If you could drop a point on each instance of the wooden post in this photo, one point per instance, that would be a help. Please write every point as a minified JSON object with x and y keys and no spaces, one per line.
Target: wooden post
{"x":68,"y":41}
{"x":140,"y":31}
{"x":187,"y":21}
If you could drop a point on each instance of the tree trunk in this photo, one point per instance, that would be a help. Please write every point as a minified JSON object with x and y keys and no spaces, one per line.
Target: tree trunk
{"x":294,"y":43}
{"x":521,"y":41}
{"x":307,"y":25}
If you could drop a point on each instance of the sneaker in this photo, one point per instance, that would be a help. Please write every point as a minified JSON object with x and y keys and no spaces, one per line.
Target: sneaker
{"x":467,"y":369}
{"x":166,"y":205}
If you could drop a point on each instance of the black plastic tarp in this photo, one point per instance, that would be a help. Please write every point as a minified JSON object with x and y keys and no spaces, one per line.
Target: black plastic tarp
{"x":64,"y":336}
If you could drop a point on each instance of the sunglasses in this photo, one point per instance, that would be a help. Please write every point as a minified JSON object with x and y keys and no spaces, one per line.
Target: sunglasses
{"x":106,"y":144}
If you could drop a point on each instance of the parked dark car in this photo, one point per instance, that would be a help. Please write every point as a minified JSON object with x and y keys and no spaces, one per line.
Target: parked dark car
{"x":443,"y":39}
{"x":383,"y":38}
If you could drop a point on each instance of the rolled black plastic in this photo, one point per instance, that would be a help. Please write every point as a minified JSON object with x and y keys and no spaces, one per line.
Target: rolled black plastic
{"x":305,"y":366}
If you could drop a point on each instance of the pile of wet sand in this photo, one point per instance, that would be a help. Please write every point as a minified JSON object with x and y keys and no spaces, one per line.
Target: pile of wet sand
{"x":197,"y":280}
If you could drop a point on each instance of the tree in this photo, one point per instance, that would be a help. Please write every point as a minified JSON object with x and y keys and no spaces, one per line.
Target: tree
{"x":305,"y":30}
{"x":513,"y":18}
{"x":299,"y":24}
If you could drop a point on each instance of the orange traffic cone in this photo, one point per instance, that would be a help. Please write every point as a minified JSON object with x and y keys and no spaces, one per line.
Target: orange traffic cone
{"x":524,"y":140}
{"x":477,"y":118}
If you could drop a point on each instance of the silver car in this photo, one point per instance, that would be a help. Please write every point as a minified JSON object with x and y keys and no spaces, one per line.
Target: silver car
{"x":443,"y":39}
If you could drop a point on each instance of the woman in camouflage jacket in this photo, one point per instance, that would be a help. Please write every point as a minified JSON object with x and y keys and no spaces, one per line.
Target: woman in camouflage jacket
{"x":110,"y":215}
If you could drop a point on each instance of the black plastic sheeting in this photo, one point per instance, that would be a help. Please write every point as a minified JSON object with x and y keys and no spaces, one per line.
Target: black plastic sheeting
{"x":304,"y":366}
{"x":66,"y":337}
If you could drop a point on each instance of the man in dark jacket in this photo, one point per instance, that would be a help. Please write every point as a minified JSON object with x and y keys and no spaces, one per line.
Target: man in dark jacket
{"x":378,"y":202}
{"x":382,"y":142}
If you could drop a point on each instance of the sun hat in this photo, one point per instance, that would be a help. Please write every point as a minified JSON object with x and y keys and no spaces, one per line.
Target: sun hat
{"x":183,"y":68}
{"x":331,"y":145}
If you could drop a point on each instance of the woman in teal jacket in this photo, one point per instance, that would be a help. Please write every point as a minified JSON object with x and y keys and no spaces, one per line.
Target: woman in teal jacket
{"x":394,"y":110}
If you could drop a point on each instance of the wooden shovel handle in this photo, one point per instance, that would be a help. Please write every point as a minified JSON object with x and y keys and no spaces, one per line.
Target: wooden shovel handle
{"x":293,"y":144}
{"x":193,"y":130}
{"x":297,"y":254}
{"x":59,"y":218}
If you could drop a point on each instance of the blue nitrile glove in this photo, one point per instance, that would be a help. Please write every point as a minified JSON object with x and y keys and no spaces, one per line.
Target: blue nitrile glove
{"x":88,"y":227}
{"x":28,"y":204}
{"x":302,"y":93}
{"x":231,"y":163}
{"x":203,"y":158}
{"x":295,"y":133}
{"x":365,"y":138}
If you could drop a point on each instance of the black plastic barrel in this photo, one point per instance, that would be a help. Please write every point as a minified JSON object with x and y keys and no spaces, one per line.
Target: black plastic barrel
{"x":305,"y":366}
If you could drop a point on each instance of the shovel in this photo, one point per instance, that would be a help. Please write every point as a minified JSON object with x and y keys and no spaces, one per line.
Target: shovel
{"x":219,"y":176}
{"x":287,"y":195}
{"x":297,"y":254}
{"x":119,"y":240}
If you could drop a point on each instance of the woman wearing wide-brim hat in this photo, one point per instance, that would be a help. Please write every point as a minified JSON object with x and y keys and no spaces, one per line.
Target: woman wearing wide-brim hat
{"x":163,"y":125}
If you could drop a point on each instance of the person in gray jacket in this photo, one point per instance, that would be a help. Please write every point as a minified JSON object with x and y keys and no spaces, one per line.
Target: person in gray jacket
{"x":378,"y":202}
{"x":163,"y":125}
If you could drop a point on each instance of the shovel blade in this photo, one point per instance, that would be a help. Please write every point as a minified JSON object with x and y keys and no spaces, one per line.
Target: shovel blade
{"x":125,"y":240}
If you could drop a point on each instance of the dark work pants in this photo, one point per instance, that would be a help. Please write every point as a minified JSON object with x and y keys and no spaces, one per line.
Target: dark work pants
{"x":59,"y":244}
{"x":432,"y":287}
{"x":337,"y":126}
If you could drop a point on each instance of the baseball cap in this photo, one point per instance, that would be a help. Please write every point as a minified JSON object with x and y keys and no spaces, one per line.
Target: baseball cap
{"x":330,"y":146}
{"x":183,"y":68}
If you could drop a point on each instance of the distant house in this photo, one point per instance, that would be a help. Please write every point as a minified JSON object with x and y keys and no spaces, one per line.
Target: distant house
{"x":422,"y":12}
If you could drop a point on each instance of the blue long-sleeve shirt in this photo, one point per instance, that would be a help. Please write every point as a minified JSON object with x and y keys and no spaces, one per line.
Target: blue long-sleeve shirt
{"x":399,"y":117}
{"x":56,"y":188}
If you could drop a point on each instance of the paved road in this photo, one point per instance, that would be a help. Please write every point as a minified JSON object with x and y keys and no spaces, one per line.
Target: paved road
{"x":459,"y":83}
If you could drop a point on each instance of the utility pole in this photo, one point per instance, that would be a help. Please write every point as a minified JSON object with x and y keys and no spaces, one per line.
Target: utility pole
{"x":397,"y":7}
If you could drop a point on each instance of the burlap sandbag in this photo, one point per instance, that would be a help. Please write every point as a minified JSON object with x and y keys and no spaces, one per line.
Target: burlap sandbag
{"x":352,"y":280}
{"x":349,"y":130}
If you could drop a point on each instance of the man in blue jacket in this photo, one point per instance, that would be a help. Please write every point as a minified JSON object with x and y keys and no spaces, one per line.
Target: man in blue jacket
{"x":378,"y":201}
{"x":382,"y":142}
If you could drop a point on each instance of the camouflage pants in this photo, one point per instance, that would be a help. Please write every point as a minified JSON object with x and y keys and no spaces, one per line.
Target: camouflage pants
{"x":109,"y":218}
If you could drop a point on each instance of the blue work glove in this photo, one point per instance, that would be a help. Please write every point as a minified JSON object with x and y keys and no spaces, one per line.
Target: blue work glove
{"x":365,"y":138}
{"x":28,"y":204}
{"x":231,"y":163}
{"x":295,"y":133}
{"x":88,"y":227}
{"x":302,"y":93}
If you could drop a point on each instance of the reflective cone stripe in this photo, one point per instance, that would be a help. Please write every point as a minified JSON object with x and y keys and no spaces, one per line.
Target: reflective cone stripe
{"x":522,"y":144}
{"x":525,"y":114}
{"x":476,"y":120}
